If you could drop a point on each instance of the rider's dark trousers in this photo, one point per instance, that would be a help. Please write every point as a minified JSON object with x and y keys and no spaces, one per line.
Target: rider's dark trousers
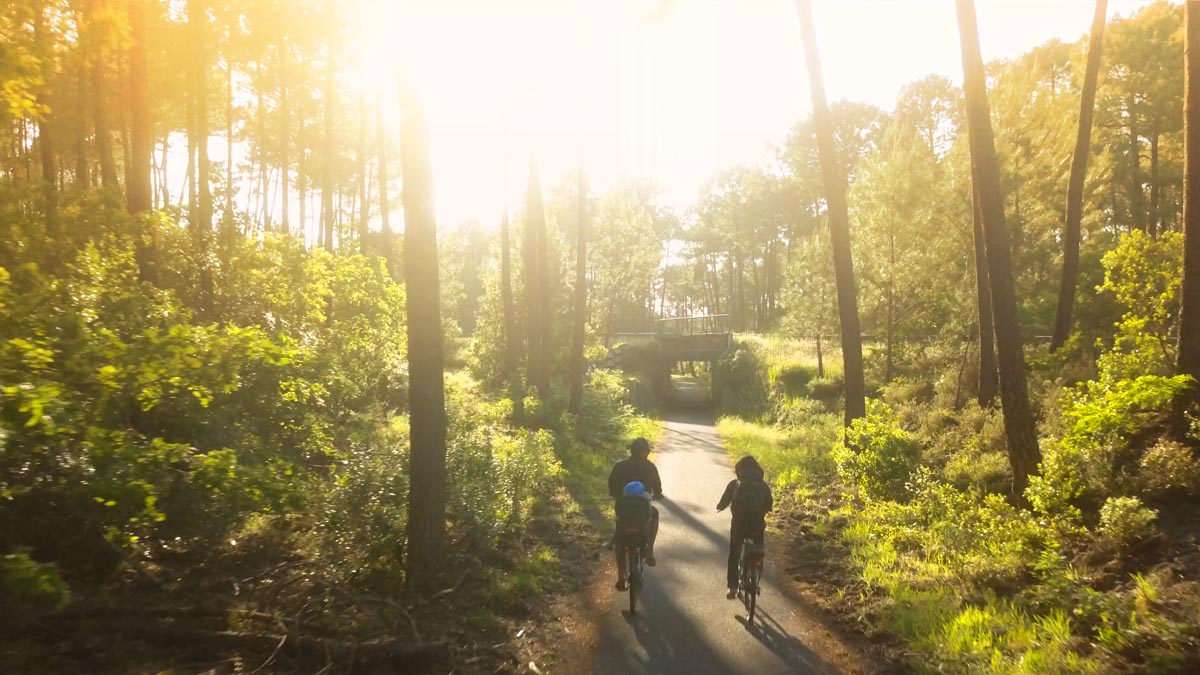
{"x":738,"y":532}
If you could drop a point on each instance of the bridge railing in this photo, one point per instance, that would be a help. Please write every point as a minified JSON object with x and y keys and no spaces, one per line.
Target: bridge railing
{"x":694,"y":325}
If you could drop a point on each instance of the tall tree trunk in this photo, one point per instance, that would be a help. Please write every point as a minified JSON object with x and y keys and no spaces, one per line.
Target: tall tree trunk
{"x":138,"y":190}
{"x":163,"y":185}
{"x":363,"y":205}
{"x":285,"y":139}
{"x":1189,"y":315}
{"x":1137,"y":197}
{"x":202,"y":224}
{"x":1019,"y":428}
{"x":1155,"y":189}
{"x":45,"y":133}
{"x":1079,"y":162}
{"x":328,"y":93}
{"x":426,"y":388}
{"x":97,"y":62}
{"x":82,"y":178}
{"x":891,"y":301}
{"x":512,"y":341}
{"x":839,"y":224}
{"x":577,"y":364}
{"x":381,"y":148}
{"x":989,"y":385}
{"x":227,"y":219}
{"x":535,"y":227}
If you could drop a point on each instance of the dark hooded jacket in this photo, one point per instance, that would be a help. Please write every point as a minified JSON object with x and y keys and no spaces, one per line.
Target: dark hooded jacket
{"x":750,"y":479}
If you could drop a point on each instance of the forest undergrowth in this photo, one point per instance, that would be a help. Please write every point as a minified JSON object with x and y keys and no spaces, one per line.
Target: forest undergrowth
{"x":215,"y":472}
{"x":907,"y":523}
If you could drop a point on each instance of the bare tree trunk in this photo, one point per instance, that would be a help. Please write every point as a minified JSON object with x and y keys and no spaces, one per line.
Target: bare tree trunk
{"x":138,"y":190}
{"x":891,"y":301}
{"x":820,"y":357}
{"x":363,"y":204}
{"x":1079,"y":161}
{"x":227,"y":220}
{"x":1023,"y":451}
{"x":839,"y":225}
{"x":1189,"y":315}
{"x":577,"y":364}
{"x":535,"y":296}
{"x":426,"y":389}
{"x":82,"y":178}
{"x":98,"y":60}
{"x":989,"y":385}
{"x":382,"y":149}
{"x":202,"y":220}
{"x":1155,"y":188}
{"x":285,"y":138}
{"x":512,"y":341}
{"x":45,"y":135}
{"x":1137,"y":197}
{"x":328,"y":93}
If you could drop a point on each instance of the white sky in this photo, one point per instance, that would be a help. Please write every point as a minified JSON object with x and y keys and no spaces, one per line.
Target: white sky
{"x":673,"y":91}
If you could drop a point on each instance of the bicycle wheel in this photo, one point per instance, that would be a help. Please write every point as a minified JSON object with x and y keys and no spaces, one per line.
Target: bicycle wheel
{"x":634,"y":565}
{"x":752,"y":592}
{"x":743,"y":581}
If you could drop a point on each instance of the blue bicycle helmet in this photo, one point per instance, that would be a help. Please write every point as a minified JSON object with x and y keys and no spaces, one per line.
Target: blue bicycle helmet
{"x":634,"y":489}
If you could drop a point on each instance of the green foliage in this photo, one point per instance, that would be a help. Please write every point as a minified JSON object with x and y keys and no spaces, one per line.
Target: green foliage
{"x":1168,"y":468}
{"x":740,"y":384}
{"x":1097,"y":455}
{"x":131,"y":412}
{"x":795,"y":457}
{"x":29,"y":588}
{"x":1124,"y":520}
{"x":876,"y":455}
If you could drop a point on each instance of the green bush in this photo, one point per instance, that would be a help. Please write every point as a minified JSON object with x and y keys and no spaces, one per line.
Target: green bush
{"x":1168,"y":467}
{"x":29,"y":588}
{"x":740,"y":383}
{"x":791,"y":379}
{"x":828,"y":390}
{"x":1125,"y":520}
{"x":876,"y":455}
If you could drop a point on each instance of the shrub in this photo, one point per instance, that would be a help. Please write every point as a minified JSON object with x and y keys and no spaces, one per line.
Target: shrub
{"x":28,"y":587}
{"x":794,"y":413}
{"x":740,"y":383}
{"x":791,"y":379}
{"x":827,"y":390}
{"x":877,"y":456}
{"x":1124,"y":520}
{"x":1168,"y":467}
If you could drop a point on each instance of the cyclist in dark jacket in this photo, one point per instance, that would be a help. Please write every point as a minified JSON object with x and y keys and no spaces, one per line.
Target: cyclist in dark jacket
{"x":638,"y":468}
{"x":750,"y":500}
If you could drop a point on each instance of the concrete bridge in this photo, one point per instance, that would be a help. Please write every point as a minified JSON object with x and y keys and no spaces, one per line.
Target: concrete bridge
{"x":680,"y":339}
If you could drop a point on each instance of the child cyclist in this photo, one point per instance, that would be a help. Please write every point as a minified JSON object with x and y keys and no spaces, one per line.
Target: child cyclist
{"x":749,"y":499}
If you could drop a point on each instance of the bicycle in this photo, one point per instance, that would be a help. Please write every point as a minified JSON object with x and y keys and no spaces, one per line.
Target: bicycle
{"x":634,"y":541}
{"x":750,"y":569}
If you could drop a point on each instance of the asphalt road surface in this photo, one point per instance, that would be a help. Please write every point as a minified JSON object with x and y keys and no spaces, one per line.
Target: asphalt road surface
{"x":684,"y":624}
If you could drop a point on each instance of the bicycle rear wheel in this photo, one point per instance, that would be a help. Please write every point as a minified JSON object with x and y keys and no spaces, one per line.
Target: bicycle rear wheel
{"x":634,"y":565}
{"x":752,"y":591}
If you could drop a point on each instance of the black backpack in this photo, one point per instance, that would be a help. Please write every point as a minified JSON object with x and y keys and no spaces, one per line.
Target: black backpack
{"x":749,"y":503}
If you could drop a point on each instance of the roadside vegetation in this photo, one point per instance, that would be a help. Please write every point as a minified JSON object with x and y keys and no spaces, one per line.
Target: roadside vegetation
{"x":1098,"y":574}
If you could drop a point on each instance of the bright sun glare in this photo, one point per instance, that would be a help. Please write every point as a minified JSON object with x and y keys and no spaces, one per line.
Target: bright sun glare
{"x":673,"y":90}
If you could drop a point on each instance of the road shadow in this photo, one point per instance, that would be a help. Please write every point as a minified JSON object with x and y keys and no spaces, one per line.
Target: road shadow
{"x":668,"y":639}
{"x":790,"y":649}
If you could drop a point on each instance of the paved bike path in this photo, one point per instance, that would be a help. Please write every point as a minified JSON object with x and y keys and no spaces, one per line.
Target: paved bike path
{"x":684,"y":625}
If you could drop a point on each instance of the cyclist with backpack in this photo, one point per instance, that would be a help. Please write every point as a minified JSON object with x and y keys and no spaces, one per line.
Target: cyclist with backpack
{"x":636,"y":469}
{"x":749,"y":499}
